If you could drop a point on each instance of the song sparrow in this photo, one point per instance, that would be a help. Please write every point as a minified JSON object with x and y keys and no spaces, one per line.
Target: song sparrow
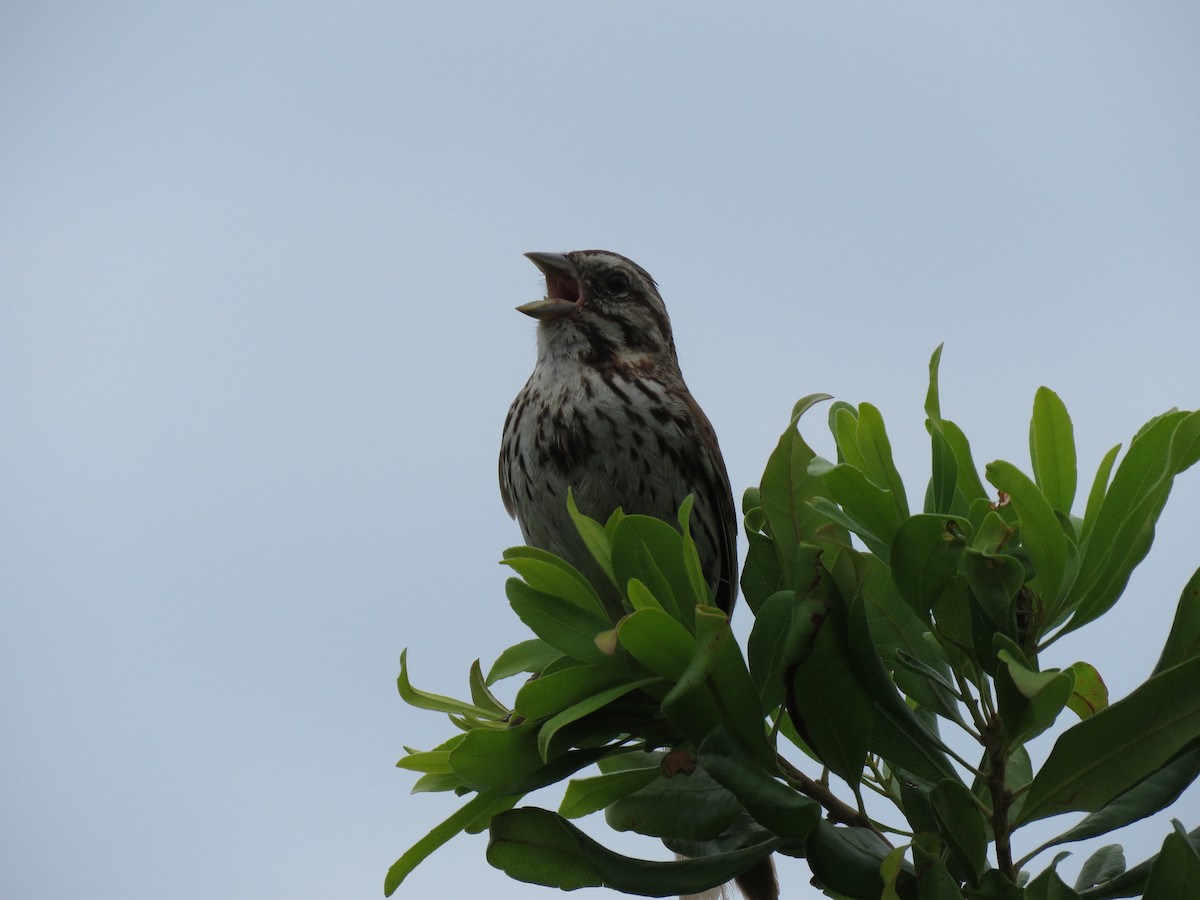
{"x":606,"y":413}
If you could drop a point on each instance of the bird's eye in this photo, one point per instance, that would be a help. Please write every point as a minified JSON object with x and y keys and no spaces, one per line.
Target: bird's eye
{"x":617,"y":282}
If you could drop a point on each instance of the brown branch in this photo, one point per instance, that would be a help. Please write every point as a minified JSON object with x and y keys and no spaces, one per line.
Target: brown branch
{"x":839,"y":812}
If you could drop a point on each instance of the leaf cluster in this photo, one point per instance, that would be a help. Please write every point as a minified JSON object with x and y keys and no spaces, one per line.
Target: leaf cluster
{"x":876,"y":627}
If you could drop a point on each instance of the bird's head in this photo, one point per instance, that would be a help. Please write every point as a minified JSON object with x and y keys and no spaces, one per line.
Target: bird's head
{"x":605,"y":305}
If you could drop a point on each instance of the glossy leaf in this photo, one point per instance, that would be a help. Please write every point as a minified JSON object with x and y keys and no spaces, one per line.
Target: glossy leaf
{"x":934,"y":881}
{"x":924,"y":558}
{"x":846,"y":860}
{"x":657,"y":641}
{"x":1090,"y":694}
{"x":1029,"y":701}
{"x":1104,"y":865}
{"x":897,"y":733}
{"x":1041,"y":535}
{"x":1183,"y":641}
{"x":762,"y":574}
{"x":585,"y":707}
{"x":540,"y":847}
{"x":594,"y":536}
{"x":588,"y":795}
{"x":1176,"y":873}
{"x":478,"y":808}
{"x":560,"y":624}
{"x":1104,"y":756}
{"x":1124,"y":523}
{"x":497,"y":759}
{"x":995,"y":580}
{"x":1153,"y":793}
{"x":692,"y":806}
{"x":1096,"y":494}
{"x":962,"y":826}
{"x":1052,"y":449}
{"x":944,"y":498}
{"x":1133,"y":882}
{"x":529,"y":656}
{"x":873,"y":509}
{"x":652,"y":551}
{"x":545,"y":572}
{"x":435,"y":702}
{"x":877,"y":456}
{"x":787,"y":487}
{"x":828,"y":705}
{"x":777,"y":807}
{"x":721,"y":669}
{"x":1049,"y":886}
{"x":767,"y":646}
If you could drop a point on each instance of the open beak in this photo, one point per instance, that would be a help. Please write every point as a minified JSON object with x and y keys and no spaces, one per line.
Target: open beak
{"x":563,"y":293}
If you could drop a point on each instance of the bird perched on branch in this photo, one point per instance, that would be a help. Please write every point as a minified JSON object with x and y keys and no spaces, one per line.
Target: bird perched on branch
{"x":607,"y":414}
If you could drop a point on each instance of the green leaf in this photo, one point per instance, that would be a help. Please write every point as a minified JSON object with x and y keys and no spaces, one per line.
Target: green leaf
{"x":772,"y":804}
{"x":969,"y":484}
{"x":651,"y":551}
{"x":435,"y":702}
{"x":1052,"y":449}
{"x":1029,"y":701}
{"x":843,"y":423}
{"x":933,"y":403}
{"x":585,"y":707}
{"x":1104,"y":865}
{"x":1096,"y":494}
{"x":497,"y":759}
{"x":553,"y":693}
{"x":1176,"y":873}
{"x":787,"y":487}
{"x":539,"y":850}
{"x":1104,"y":756}
{"x":871,"y":508}
{"x":1041,"y":534}
{"x":943,"y":483}
{"x":995,"y":580}
{"x":762,"y":575}
{"x":480,"y":808}
{"x":430,"y":762}
{"x":877,"y":456}
{"x":547,"y":573}
{"x":897,"y":734}
{"x":531,"y":656}
{"x":828,"y":705}
{"x":924,"y":558}
{"x":1048,"y":886}
{"x":846,"y":860}
{"x":719,"y":669}
{"x":594,"y":536}
{"x":1090,"y":694}
{"x":1183,"y":643}
{"x":657,"y":641}
{"x":929,"y":687}
{"x":1153,"y":793}
{"x":539,"y":847}
{"x":640,"y":596}
{"x":766,"y":648}
{"x":692,"y":806}
{"x":560,"y":624}
{"x":1124,"y":524}
{"x":588,"y":795}
{"x":1133,"y":882}
{"x":934,"y":881}
{"x":962,"y":826}
{"x":481,"y":696}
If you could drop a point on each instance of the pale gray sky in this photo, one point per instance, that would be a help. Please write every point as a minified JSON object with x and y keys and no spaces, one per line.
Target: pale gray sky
{"x":258,"y":264}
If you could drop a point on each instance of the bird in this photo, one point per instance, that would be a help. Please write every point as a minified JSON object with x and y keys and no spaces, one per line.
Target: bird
{"x":606,"y":414}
